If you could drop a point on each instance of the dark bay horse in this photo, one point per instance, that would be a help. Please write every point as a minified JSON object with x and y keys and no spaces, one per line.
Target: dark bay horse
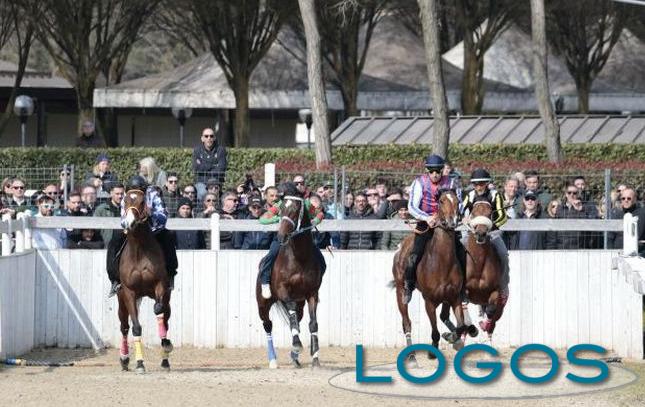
{"x":295,"y":279}
{"x":483,"y":266}
{"x":143,"y":273}
{"x":438,"y":275}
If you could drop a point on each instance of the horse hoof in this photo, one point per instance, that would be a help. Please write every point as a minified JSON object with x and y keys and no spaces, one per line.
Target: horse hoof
{"x":273,"y":364}
{"x":411,"y":362}
{"x":450,"y":337}
{"x":458,"y":345}
{"x":473,"y":331}
{"x":165,"y":365}
{"x":125,"y":361}
{"x":431,"y":356}
{"x":294,"y":359}
{"x":315,"y":363}
{"x":166,"y":345}
{"x":140,"y":368}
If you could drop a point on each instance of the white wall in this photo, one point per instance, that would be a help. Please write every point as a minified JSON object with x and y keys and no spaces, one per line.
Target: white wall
{"x":17,"y":303}
{"x":557,"y":298}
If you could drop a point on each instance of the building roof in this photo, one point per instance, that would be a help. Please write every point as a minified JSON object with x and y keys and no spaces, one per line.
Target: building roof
{"x":490,"y":130}
{"x":31,"y":78}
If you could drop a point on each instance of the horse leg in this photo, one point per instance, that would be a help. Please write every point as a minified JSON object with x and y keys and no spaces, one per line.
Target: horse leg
{"x":312,"y":304}
{"x":162,"y":310}
{"x":296,"y":345}
{"x":124,"y":356}
{"x":133,"y":309}
{"x":406,"y":323}
{"x":472,"y":329}
{"x":431,"y":310}
{"x":263,"y":308}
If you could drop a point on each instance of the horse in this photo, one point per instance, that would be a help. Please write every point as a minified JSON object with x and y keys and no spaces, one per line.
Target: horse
{"x":439,"y":277}
{"x":483,"y":267}
{"x":295,"y":279}
{"x":142,"y":272}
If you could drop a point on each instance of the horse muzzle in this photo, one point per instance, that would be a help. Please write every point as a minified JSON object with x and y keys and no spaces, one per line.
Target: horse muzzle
{"x":481,"y":236}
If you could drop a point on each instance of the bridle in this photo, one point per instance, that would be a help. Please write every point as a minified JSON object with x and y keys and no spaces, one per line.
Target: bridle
{"x":297,"y":226}
{"x":480,"y":220}
{"x":134,"y":208}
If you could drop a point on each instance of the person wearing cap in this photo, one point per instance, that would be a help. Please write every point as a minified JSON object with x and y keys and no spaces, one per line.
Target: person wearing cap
{"x":423,"y":205}
{"x":272,"y":215}
{"x":101,"y":176}
{"x":256,"y":240}
{"x":391,"y":240}
{"x":480,"y":178}
{"x":529,"y":239}
{"x":157,"y":220}
{"x":188,"y":239}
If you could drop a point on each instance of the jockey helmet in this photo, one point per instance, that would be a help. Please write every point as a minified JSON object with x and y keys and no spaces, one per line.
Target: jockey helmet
{"x":435,"y":161}
{"x":480,"y":175}
{"x":138,"y":182}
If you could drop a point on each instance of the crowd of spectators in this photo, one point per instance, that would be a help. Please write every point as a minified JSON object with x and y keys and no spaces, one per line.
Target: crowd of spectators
{"x":101,"y":193}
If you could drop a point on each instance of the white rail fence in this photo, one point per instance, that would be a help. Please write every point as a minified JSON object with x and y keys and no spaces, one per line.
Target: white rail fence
{"x":558,"y":298}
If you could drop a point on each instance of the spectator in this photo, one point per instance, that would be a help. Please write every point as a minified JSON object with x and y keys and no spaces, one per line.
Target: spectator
{"x":228,"y":211}
{"x":551,"y":212}
{"x":101,"y":177}
{"x":18,"y":202}
{"x":447,"y":169}
{"x":213,"y":187}
{"x":45,"y":238}
{"x":391,"y":240}
{"x":299,"y":180}
{"x":170,"y":193}
{"x":5,"y":210}
{"x":112,"y":208}
{"x":379,"y":207}
{"x":188,"y":239}
{"x":617,"y":203}
{"x":6,"y":191}
{"x":381,"y":188}
{"x":256,"y":240}
{"x":360,"y":240}
{"x":323,"y":240}
{"x":348,"y":203}
{"x":392,"y":199}
{"x":54,"y":193}
{"x":528,"y":239}
{"x":532,"y":183}
{"x":73,"y":208}
{"x":580,"y":183}
{"x":209,"y":161}
{"x":90,"y":239}
{"x":88,"y":196}
{"x":151,"y":172}
{"x":190,"y":192}
{"x":270,"y":196}
{"x":88,"y":137}
{"x":512,"y":206}
{"x":521,"y":179}
{"x":572,"y":209}
{"x":629,"y":204}
{"x":210,"y":205}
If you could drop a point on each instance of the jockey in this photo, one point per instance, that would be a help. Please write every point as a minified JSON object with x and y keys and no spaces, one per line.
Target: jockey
{"x":481,"y":179}
{"x":272,"y":215}
{"x":157,"y":221}
{"x":423,"y":206}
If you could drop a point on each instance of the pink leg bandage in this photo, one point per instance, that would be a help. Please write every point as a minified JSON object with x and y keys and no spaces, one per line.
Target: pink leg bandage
{"x":161,"y":327}
{"x":125,"y":351}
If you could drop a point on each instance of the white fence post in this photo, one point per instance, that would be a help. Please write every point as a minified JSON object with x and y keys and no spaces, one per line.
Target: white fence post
{"x":630,"y":235}
{"x":215,"y":231}
{"x":27,"y":228}
{"x":269,"y":175}
{"x":20,"y":232}
{"x":6,"y":237}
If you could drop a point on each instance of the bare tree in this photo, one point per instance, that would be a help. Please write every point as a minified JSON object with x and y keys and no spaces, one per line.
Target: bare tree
{"x":316,"y":83}
{"x":584,"y":32}
{"x":550,"y":121}
{"x":177,"y":22}
{"x":441,"y":127}
{"x":407,"y":12}
{"x":82,"y":36}
{"x":481,"y":22}
{"x":17,"y":29}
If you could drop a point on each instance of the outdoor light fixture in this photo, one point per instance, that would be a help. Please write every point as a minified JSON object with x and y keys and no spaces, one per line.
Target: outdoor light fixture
{"x":306,"y":118}
{"x":23,"y":107}
{"x":182,"y":114}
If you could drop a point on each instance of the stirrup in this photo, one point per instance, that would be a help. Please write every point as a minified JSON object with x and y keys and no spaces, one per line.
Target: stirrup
{"x":266,"y":291}
{"x":116,"y":286}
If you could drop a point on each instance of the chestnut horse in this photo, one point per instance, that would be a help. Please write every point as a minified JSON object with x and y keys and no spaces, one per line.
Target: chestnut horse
{"x":142,"y":271}
{"x":295,"y":278}
{"x":439,"y":277}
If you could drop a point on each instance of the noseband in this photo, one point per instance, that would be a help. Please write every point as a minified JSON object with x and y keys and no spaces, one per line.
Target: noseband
{"x":480,"y":220}
{"x":134,"y":208}
{"x":297,"y":226}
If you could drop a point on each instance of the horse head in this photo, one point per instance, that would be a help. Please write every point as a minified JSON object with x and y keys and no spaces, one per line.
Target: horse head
{"x":292,"y":213}
{"x":448,"y":208}
{"x":480,"y":222}
{"x":136,"y":211}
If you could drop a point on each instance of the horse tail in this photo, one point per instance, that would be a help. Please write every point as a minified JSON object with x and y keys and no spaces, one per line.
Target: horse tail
{"x":282,"y":311}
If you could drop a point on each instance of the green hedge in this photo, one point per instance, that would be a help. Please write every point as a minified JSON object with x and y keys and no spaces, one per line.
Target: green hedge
{"x":362,"y":161}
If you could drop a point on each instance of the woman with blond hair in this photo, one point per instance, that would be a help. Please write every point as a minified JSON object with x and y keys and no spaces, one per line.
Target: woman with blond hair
{"x":153,"y":175}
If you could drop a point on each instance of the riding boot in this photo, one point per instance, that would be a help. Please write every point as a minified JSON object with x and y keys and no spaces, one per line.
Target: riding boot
{"x":321,"y":261}
{"x":420,"y":240}
{"x":498,"y":243}
{"x":167,"y":242}
{"x":115,"y":246}
{"x":266,"y":265}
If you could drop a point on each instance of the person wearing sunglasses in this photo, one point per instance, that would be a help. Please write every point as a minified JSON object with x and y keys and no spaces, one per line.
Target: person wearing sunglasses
{"x":171,"y":193}
{"x":18,"y":202}
{"x":423,"y":206}
{"x":45,"y":238}
{"x":529,"y":239}
{"x":209,"y":161}
{"x":628,"y":204}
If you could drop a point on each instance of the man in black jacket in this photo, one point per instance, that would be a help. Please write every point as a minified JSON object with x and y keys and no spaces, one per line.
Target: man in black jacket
{"x":360,"y":240}
{"x":628,"y":204}
{"x":188,"y":239}
{"x":209,"y":161}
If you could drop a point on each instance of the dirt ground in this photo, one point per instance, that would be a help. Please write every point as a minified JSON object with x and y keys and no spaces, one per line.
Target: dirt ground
{"x":235,"y":377}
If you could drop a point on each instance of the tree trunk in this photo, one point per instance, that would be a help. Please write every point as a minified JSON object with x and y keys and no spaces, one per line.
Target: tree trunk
{"x":472,"y":84}
{"x":316,"y":83}
{"x":85,"y":94}
{"x":23,"y":55}
{"x":583,"y":85}
{"x":109,"y":124}
{"x":551,"y":125}
{"x":441,"y":128}
{"x":349,"y":92}
{"x":242,"y":116}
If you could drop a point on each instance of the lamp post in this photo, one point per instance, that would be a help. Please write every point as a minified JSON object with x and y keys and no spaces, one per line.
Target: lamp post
{"x":23,"y":107}
{"x":306,"y":118}
{"x":182,"y":114}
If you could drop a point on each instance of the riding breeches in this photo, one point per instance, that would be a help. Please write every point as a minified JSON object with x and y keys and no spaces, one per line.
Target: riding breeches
{"x":267,"y":262}
{"x":498,"y":243}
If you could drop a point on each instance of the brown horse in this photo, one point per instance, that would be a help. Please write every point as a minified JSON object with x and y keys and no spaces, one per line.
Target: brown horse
{"x":483,"y":266}
{"x":296,"y":277}
{"x":143,"y":273}
{"x":438,"y":274}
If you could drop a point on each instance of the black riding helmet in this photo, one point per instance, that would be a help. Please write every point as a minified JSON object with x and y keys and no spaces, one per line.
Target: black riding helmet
{"x":480,"y":175}
{"x":288,"y":188}
{"x":138,"y":182}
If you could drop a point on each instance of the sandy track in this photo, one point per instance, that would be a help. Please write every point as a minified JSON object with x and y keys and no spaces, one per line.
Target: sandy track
{"x":232,"y":377}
